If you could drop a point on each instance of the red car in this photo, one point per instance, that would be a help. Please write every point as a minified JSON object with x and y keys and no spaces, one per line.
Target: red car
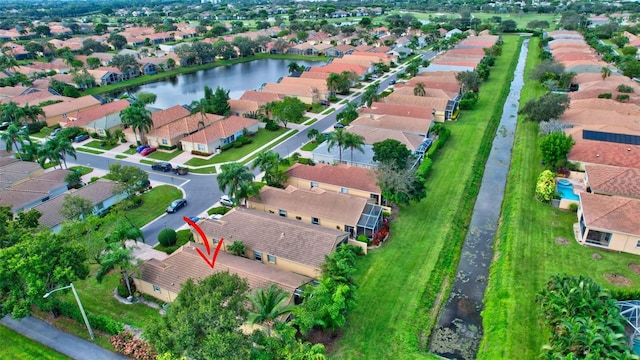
{"x":148,"y":151}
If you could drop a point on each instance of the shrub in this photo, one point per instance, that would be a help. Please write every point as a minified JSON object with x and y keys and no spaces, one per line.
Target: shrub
{"x":94,"y":135}
{"x":226,"y":146}
{"x":306,"y":161}
{"x":625,"y":89}
{"x":237,"y":248}
{"x":164,"y":147}
{"x":131,"y":146}
{"x":237,"y":144}
{"x":134,"y":348}
{"x":363,"y":238}
{"x":94,"y":179}
{"x":123,"y":292}
{"x":573,"y":207}
{"x":564,"y":172}
{"x":220,"y":210}
{"x":272,"y":126}
{"x":545,"y":186}
{"x":622,"y":97}
{"x":184,"y":236}
{"x":98,"y":322}
{"x":424,"y":168}
{"x":200,"y":153}
{"x":167,"y":237}
{"x":604,"y":96}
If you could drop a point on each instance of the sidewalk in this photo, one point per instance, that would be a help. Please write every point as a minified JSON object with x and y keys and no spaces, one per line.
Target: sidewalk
{"x":58,"y":340}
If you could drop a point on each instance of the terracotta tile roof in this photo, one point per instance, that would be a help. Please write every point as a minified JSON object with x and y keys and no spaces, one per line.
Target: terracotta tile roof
{"x":612,"y":180}
{"x":430,"y":103}
{"x":605,"y":153}
{"x":341,"y":208}
{"x":338,"y":68}
{"x":70,"y":105}
{"x":240,"y":107}
{"x":611,"y":213}
{"x":315,"y":75}
{"x":86,"y":116}
{"x":429,"y":92}
{"x":10,"y":91}
{"x":374,"y":55}
{"x":285,"y":238}
{"x":96,"y":192}
{"x":455,"y":63}
{"x":365,"y":61}
{"x":393,"y":122}
{"x":34,"y":98}
{"x":373,"y":135}
{"x":220,"y":129}
{"x":466,"y":51}
{"x":185,"y":263}
{"x":574,"y":56}
{"x":163,"y":117}
{"x":319,"y":84}
{"x":602,"y":111}
{"x":351,"y":177}
{"x":364,"y":47}
{"x":259,"y":96}
{"x":185,"y":125}
{"x":288,"y":89}
{"x":344,"y":48}
{"x":380,"y":49}
{"x":398,"y":110}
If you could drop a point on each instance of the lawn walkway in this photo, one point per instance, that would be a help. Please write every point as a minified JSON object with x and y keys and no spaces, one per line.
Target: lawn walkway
{"x":392,"y":280}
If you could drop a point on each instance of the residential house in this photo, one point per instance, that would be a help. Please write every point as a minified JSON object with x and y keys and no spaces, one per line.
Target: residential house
{"x":213,"y":137}
{"x":305,"y":93}
{"x":27,"y":193}
{"x":319,"y":85}
{"x":102,"y":193}
{"x":338,"y":68}
{"x":609,"y":222}
{"x":149,"y":68}
{"x":306,"y":48}
{"x":612,"y":181}
{"x":356,"y":181}
{"x":15,"y":171}
{"x":412,"y":132}
{"x":34,"y":97}
{"x":163,"y":279}
{"x":170,"y":134}
{"x":56,"y":113}
{"x":352,"y":214}
{"x":260,"y":97}
{"x":243,"y":107}
{"x":97,"y":119}
{"x":440,"y":110}
{"x":381,"y":108}
{"x":106,"y":75}
{"x":286,"y":244}
{"x":586,"y":152}
{"x":401,"y":52}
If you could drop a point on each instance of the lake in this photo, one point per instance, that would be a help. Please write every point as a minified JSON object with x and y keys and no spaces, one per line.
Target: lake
{"x":237,"y":78}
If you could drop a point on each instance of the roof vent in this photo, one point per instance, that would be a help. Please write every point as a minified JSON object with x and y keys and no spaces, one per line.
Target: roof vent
{"x":597,"y":155}
{"x":628,"y":149}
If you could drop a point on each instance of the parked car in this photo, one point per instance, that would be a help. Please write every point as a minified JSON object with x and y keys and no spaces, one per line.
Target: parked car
{"x":55,"y":132}
{"x":226,"y":201}
{"x":176,"y":205}
{"x":215,"y":216}
{"x":338,"y":126}
{"x":162,"y":166}
{"x":143,"y":185}
{"x":4,"y":125}
{"x":195,"y":219}
{"x":81,"y":138}
{"x":148,"y":151}
{"x":392,"y":82}
{"x":141,"y":148}
{"x":324,"y":103}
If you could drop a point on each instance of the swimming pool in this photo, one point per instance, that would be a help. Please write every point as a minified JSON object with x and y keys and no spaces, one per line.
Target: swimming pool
{"x":565,"y":190}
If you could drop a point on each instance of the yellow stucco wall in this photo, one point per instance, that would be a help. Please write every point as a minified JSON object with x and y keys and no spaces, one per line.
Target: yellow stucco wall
{"x":306,"y":184}
{"x":305,"y":218}
{"x":147,"y":288}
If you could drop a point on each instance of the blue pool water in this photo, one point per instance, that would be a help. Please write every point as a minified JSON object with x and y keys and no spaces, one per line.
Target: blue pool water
{"x":565,"y":190}
{"x":636,"y":346}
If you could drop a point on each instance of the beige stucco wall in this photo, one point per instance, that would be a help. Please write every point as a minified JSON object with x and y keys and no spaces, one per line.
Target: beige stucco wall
{"x":305,"y":218}
{"x":147,"y":288}
{"x":306,"y":184}
{"x":565,"y":204}
{"x":619,"y":242}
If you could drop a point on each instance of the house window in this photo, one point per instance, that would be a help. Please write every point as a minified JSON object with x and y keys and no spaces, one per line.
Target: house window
{"x":344,"y":190}
{"x":638,"y":244}
{"x":165,"y":142}
{"x":271,"y":259}
{"x":282,"y":213}
{"x":349,"y":229}
{"x":314,"y":184}
{"x":257,"y":256}
{"x":156,"y":288}
{"x":315,"y":221}
{"x":200,"y":147}
{"x":298,"y":218}
{"x":101,"y":131}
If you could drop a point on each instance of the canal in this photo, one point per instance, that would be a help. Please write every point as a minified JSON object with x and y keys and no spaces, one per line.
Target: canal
{"x":237,"y":78}
{"x":459,"y":329}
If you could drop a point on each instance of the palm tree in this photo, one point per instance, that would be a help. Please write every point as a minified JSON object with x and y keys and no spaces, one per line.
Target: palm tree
{"x":11,"y":112}
{"x":354,"y":142}
{"x":313,"y":134}
{"x":29,"y":150}
{"x":337,"y":137}
{"x":333,"y":83}
{"x":269,"y":163}
{"x":138,"y":118}
{"x":294,"y":67}
{"x":419,"y":90}
{"x":233,"y":176}
{"x":11,"y":137}
{"x":64,"y":149}
{"x":247,"y":190}
{"x":115,"y":256}
{"x":49,"y":153}
{"x":268,"y":108}
{"x":31,"y":112}
{"x":606,"y":72}
{"x":268,"y":305}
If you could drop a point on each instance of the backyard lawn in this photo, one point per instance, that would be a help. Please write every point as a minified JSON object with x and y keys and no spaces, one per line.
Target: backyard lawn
{"x":154,"y":202}
{"x":530,"y":248}
{"x":18,"y":347}
{"x":391,"y":314}
{"x":164,"y":155}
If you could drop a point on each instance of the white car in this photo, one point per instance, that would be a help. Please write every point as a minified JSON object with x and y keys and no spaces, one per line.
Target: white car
{"x":226,"y":201}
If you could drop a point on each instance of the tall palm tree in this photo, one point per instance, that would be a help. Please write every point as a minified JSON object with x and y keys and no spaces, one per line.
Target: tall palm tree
{"x":232,"y":176}
{"x":32,"y":112}
{"x":138,"y":118}
{"x":116,"y":256}
{"x":333,"y":83}
{"x":48,"y":152}
{"x":354,"y":142}
{"x":337,"y":138}
{"x":269,"y":163}
{"x":29,"y":150}
{"x":313,"y":134}
{"x":64,"y":149}
{"x":11,"y":112}
{"x":606,"y":72}
{"x":294,"y":67}
{"x":268,"y":305}
{"x":12,"y":137}
{"x":419,"y":90}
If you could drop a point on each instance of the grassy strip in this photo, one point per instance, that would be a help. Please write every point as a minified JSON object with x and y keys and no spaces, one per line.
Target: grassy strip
{"x":391,"y":314}
{"x":204,"y":170}
{"x":328,"y":111}
{"x":129,"y":151}
{"x":527,"y":253}
{"x":310,"y":146}
{"x":84,"y":170}
{"x":183,"y":237}
{"x":261,"y":138}
{"x":147,"y":162}
{"x":96,"y":145}
{"x":281,"y":140}
{"x":90,"y":151}
{"x":191,"y":69}
{"x":121,"y":157}
{"x":19,"y":347}
{"x":155,"y":202}
{"x":164,"y":156}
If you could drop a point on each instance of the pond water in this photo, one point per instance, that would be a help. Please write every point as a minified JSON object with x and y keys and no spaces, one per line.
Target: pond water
{"x":237,"y":78}
{"x":458,"y":332}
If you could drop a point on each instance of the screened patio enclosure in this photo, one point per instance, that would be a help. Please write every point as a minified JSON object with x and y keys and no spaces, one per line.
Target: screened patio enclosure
{"x":370,"y":220}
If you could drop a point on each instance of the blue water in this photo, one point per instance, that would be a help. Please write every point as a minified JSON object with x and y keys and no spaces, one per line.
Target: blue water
{"x":636,"y":346}
{"x":566,"y":192}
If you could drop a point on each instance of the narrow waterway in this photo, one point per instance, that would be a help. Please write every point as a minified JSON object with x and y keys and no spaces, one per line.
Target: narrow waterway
{"x":459,"y":329}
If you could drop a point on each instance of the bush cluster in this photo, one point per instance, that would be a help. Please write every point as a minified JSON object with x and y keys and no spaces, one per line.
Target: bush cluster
{"x":167,"y":237}
{"x":134,"y":348}
{"x":200,"y":153}
{"x":98,"y":322}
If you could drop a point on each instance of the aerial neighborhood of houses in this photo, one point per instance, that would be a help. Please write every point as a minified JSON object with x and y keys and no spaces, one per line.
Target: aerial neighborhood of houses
{"x":292,"y":218}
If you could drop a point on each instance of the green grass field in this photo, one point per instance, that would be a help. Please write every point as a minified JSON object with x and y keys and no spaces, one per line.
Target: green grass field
{"x":163,"y":155}
{"x":389,"y":317}
{"x":521,"y":19}
{"x":18,"y":347}
{"x":526,"y":253}
{"x":154,"y":204}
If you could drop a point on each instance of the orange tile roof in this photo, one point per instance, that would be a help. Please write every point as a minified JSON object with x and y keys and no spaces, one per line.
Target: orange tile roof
{"x":351,"y":177}
{"x":243,"y":106}
{"x":398,"y":110}
{"x":220,"y":129}
{"x":163,"y":117}
{"x":86,"y":116}
{"x":612,"y":213}
{"x":605,"y":153}
{"x":613,"y":180}
{"x":431,"y":103}
{"x":70,"y":105}
{"x":393,"y":122}
{"x":183,"y":125}
{"x":259,"y":96}
{"x":338,"y":68}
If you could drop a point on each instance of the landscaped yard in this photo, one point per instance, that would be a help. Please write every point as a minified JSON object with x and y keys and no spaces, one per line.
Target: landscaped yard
{"x":164,"y":155}
{"x":392,"y":313}
{"x":90,"y":151}
{"x":96,"y":144}
{"x":84,"y":170}
{"x":154,"y":202}
{"x":534,"y":242}
{"x":261,"y":138}
{"x":18,"y":347}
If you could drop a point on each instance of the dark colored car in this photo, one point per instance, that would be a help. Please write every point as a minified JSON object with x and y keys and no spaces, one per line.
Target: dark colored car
{"x":81,"y":138}
{"x":338,"y":126}
{"x":176,"y":205}
{"x":141,"y":148}
{"x":5,"y":125}
{"x":55,"y":132}
{"x":324,"y":103}
{"x":195,"y":219}
{"x":148,"y":151}
{"x":162,"y":166}
{"x":143,"y":185}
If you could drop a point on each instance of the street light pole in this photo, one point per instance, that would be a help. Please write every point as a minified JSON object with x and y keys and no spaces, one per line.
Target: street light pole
{"x":75,"y":293}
